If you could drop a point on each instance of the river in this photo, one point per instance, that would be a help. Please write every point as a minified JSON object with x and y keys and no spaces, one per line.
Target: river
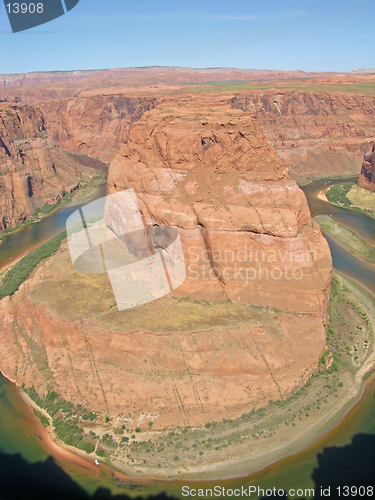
{"x":27,"y":470}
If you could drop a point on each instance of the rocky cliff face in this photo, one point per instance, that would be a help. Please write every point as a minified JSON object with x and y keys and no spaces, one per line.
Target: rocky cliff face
{"x":33,"y":171}
{"x":206,"y":169}
{"x":98,"y":125}
{"x":248,"y":323}
{"x":367,"y":177}
{"x":318,"y":134}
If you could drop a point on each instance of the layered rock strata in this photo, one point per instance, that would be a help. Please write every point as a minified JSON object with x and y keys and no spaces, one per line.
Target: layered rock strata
{"x":318,"y":134}
{"x":367,"y":176}
{"x":96,"y":125}
{"x":247,"y":325}
{"x":33,"y":171}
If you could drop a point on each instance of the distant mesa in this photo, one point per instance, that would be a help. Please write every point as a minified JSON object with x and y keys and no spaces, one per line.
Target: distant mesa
{"x":362,"y":71}
{"x":157,"y":74}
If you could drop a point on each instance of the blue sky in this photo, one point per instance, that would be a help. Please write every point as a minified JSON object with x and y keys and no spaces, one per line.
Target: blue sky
{"x":317,"y":35}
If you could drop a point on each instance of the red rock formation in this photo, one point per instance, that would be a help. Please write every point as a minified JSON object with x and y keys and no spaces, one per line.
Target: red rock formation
{"x":248,"y":323}
{"x":97,"y":126}
{"x":367,"y":177}
{"x":33,"y":171}
{"x":206,"y":169}
{"x":318,"y":134}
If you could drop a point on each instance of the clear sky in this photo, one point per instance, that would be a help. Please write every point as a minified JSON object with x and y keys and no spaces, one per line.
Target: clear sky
{"x":329,"y":35}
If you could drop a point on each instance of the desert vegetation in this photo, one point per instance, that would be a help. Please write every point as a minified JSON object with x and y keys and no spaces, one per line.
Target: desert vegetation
{"x":337,"y":194}
{"x":19,"y":273}
{"x":347,"y":239}
{"x":350,"y":195}
{"x":65,"y":416}
{"x":363,"y":199}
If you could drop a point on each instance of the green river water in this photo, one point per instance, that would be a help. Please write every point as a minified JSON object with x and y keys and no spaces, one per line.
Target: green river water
{"x":345,"y":456}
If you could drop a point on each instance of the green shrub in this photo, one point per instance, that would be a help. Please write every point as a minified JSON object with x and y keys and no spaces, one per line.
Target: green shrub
{"x":43,"y":420}
{"x":23,"y":268}
{"x":69,"y":433}
{"x":86,"y":446}
{"x":88,"y":416}
{"x":338,"y":192}
{"x":107,"y":439}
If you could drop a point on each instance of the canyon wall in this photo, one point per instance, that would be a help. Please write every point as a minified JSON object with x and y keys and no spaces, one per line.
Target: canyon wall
{"x":316,"y":129}
{"x":247,"y":326}
{"x":33,"y":171}
{"x":367,"y":178}
{"x":318,"y":134}
{"x":98,"y":125}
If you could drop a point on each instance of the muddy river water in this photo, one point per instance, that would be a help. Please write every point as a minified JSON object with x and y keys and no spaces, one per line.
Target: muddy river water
{"x":27,"y":469}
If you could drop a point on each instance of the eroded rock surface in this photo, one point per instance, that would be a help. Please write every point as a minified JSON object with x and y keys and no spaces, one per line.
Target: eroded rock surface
{"x":247,"y":325}
{"x":206,"y":169}
{"x":97,"y":125}
{"x":33,"y":171}
{"x":367,"y":177}
{"x":318,"y":134}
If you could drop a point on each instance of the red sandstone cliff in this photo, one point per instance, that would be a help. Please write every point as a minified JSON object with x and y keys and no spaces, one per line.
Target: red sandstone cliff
{"x":367,"y":177}
{"x":33,"y":171}
{"x":318,"y":134}
{"x":97,"y":126}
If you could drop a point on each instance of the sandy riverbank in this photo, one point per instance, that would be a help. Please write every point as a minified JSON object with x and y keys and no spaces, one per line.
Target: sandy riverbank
{"x":322,"y":195}
{"x":347,"y":239}
{"x":69,"y":457}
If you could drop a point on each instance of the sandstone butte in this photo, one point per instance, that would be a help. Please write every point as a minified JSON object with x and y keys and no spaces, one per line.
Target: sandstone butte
{"x":216,"y":346}
{"x":367,"y":177}
{"x":33,"y":171}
